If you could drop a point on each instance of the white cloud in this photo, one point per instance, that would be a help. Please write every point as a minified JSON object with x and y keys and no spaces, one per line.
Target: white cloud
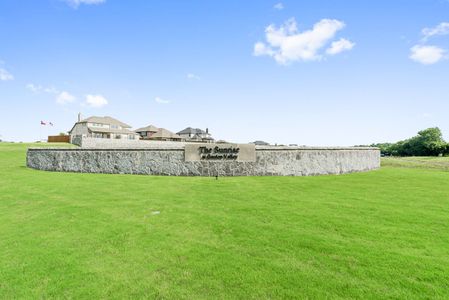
{"x":193,"y":76}
{"x":279,"y":6}
{"x":65,"y":98}
{"x":430,"y":54}
{"x":440,"y":29}
{"x":96,"y":101}
{"x":62,"y":97}
{"x":76,"y":3}
{"x":262,"y":49}
{"x":161,"y":101}
{"x":286,"y":44}
{"x":33,"y":88}
{"x":41,"y":89}
{"x":426,"y":55}
{"x":340,"y":46}
{"x":5,"y":75}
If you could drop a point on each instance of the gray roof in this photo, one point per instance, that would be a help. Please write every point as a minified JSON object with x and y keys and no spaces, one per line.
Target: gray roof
{"x":190,"y":130}
{"x":260,"y":143}
{"x":105,"y":120}
{"x":165,"y":134}
{"x":198,"y":136}
{"x":111,"y":130}
{"x":149,"y":128}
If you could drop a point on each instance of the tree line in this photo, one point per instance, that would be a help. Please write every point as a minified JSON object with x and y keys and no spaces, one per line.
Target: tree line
{"x":428,"y":142}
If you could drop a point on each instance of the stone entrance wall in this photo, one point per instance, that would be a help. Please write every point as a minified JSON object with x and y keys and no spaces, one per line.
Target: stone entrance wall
{"x":270,"y":161}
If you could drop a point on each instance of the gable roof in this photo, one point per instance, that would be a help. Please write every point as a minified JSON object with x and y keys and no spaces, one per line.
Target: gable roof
{"x":190,"y":130}
{"x":165,"y":134}
{"x":149,"y":128}
{"x":105,"y":120}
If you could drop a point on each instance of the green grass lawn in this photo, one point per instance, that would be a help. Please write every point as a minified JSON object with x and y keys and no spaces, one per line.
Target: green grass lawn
{"x":439,"y":163}
{"x":380,"y":234}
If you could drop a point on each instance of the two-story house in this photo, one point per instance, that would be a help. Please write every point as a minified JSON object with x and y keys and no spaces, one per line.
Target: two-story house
{"x":195,"y":135}
{"x":102,"y":127}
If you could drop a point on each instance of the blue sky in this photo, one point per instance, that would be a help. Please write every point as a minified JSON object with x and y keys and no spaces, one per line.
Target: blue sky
{"x":306,"y":72}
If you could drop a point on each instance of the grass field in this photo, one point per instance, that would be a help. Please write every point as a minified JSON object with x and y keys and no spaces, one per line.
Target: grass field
{"x":437,"y":163}
{"x":381,"y":234}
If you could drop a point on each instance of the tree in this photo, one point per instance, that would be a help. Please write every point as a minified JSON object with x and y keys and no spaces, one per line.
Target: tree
{"x":428,"y":142}
{"x":385,"y":148}
{"x":432,"y":141}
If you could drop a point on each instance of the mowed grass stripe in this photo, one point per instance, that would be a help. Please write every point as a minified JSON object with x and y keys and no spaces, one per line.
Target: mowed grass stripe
{"x":381,"y":234}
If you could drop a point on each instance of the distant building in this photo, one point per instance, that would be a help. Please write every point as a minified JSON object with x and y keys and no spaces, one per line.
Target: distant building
{"x":102,"y":127}
{"x":152,"y":132}
{"x":260,"y":143}
{"x":195,"y":135}
{"x":147,"y":132}
{"x":163,"y":134}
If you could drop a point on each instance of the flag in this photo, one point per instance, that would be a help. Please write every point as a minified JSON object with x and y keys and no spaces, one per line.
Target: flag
{"x":43,"y":123}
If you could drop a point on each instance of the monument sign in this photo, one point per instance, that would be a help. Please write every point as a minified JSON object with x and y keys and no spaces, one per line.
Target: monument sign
{"x":220,"y":152}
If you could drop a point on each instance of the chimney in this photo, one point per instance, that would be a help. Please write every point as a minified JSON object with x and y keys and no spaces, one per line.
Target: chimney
{"x":207,"y":130}
{"x":79,"y":117}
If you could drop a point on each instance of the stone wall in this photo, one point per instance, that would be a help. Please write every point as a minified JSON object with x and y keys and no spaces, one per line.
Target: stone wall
{"x":76,"y":140}
{"x":275,"y":161}
{"x":99,"y":143}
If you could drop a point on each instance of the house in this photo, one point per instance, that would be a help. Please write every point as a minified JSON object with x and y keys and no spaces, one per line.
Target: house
{"x":195,"y":135}
{"x":260,"y":143}
{"x":152,"y":132}
{"x":163,"y":134}
{"x":147,"y":132}
{"x":103,"y":128}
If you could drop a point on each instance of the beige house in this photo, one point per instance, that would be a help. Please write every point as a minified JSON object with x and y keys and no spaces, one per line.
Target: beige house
{"x":102,"y":127}
{"x":147,"y":132}
{"x":151,"y":132}
{"x":166,"y":135}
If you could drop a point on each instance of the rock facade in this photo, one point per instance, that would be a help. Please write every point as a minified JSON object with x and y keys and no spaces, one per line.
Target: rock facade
{"x":270,"y":161}
{"x":99,"y":143}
